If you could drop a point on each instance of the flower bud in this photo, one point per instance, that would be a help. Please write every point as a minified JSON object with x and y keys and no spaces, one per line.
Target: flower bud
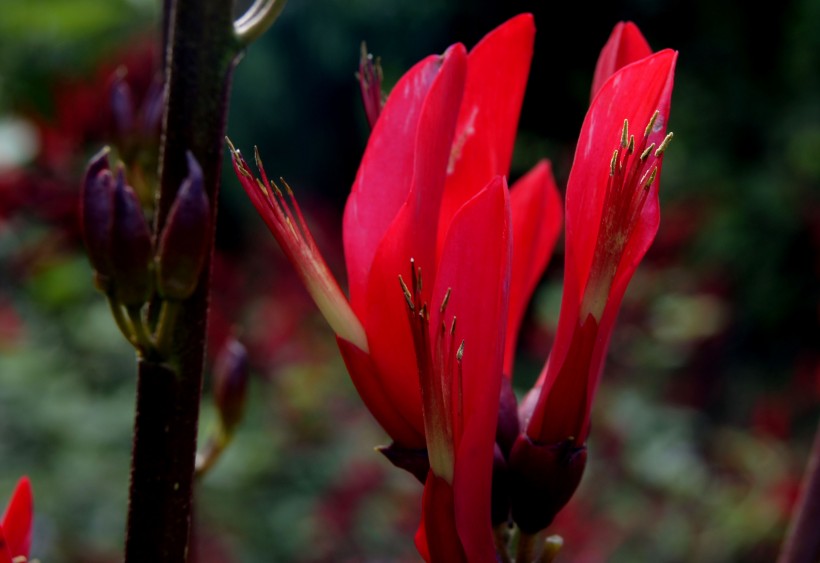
{"x":97,"y":213}
{"x":186,"y":239}
{"x":150,"y":117}
{"x":542,"y":479}
{"x":131,"y":248}
{"x":230,"y":377}
{"x":508,"y":425}
{"x":122,"y":104}
{"x":414,"y":461}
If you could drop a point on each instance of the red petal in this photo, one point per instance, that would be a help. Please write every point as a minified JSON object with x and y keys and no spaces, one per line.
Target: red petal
{"x":634,"y":93}
{"x":437,"y":539}
{"x":625,"y":45}
{"x":381,"y":305}
{"x":404,"y":162}
{"x":16,"y":525}
{"x":370,"y":385}
{"x":475,"y":263}
{"x":536,"y":221}
{"x":497,"y":73}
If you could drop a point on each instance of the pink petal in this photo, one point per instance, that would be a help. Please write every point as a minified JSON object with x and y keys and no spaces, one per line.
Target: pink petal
{"x":404,"y":161}
{"x":475,"y":263}
{"x":536,"y":221}
{"x":497,"y":73}
{"x":625,"y":45}
{"x":437,"y":538}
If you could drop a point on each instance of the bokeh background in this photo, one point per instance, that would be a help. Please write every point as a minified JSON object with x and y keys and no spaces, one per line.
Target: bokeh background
{"x":710,"y":397}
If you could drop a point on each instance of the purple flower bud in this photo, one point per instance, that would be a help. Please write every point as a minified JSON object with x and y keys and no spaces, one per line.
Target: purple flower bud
{"x":186,"y":238}
{"x":122,"y":105}
{"x":230,"y":377}
{"x":508,"y":426}
{"x":97,"y":212}
{"x":415,"y":461}
{"x":542,"y":479}
{"x":150,"y":117}
{"x":131,"y":248}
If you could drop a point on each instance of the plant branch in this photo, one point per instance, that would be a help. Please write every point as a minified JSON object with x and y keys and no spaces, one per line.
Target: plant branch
{"x":202,"y":52}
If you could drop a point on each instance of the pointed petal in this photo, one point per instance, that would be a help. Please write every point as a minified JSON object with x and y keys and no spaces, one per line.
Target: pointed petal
{"x":536,"y":221}
{"x":497,"y":73}
{"x":370,"y":385}
{"x":412,"y":235}
{"x":634,"y":93}
{"x":475,"y":263}
{"x":404,"y":161}
{"x":437,"y":539}
{"x":625,"y":45}
{"x":16,"y":525}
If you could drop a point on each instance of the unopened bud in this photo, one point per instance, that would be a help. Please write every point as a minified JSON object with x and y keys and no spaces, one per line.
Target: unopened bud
{"x":508,"y":426}
{"x":97,"y":213}
{"x":122,"y":104}
{"x":230,"y":377}
{"x":414,"y":461}
{"x":186,"y":238}
{"x":500,"y":498}
{"x":131,"y":248}
{"x":370,"y":83}
{"x":150,"y":117}
{"x":542,"y":480}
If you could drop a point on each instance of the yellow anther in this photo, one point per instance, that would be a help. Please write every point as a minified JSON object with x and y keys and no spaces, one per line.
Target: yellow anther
{"x":460,"y":353}
{"x":613,"y":163}
{"x":651,"y":123}
{"x":664,"y":144}
{"x":631,"y":147}
{"x":625,"y":134}
{"x":445,"y":301}
{"x":649,"y":177}
{"x":407,"y":295}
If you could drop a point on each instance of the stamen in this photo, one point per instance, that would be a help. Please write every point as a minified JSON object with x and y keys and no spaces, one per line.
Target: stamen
{"x":407,"y":295}
{"x":631,"y":148}
{"x":460,"y":353}
{"x":649,"y":177}
{"x":664,"y":144}
{"x":645,"y":154}
{"x":445,"y":300}
{"x":613,"y":162}
{"x":453,"y":327}
{"x":651,"y":123}
{"x":625,"y":134}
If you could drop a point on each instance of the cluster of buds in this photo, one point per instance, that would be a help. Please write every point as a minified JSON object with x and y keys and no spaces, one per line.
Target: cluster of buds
{"x":134,"y":266}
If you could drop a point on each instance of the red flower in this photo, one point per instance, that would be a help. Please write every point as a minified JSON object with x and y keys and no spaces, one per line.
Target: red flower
{"x":15,"y":528}
{"x":430,"y":204}
{"x":612,"y":215}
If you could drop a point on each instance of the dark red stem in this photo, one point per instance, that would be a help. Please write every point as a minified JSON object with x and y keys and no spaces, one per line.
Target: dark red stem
{"x":202,"y":52}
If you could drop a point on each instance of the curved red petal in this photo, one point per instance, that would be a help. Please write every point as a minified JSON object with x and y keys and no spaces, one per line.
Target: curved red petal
{"x":410,"y":236}
{"x":475,"y":263}
{"x":369,"y":383}
{"x":498,"y":68}
{"x":633,"y":93}
{"x":535,"y":206}
{"x":405,"y":161}
{"x":625,"y":45}
{"x":16,"y":524}
{"x":437,"y":539}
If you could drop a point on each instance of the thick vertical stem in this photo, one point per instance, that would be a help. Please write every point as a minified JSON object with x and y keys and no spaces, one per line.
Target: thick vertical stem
{"x":802,"y":543}
{"x":202,"y":51}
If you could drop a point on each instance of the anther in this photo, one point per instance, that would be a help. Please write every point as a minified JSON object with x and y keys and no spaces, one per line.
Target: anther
{"x":645,"y":154}
{"x":407,"y":295}
{"x":453,"y":327}
{"x":631,"y":147}
{"x":625,"y":134}
{"x":460,"y":353}
{"x":649,"y":177}
{"x":445,"y":300}
{"x":651,"y":123}
{"x":613,"y":163}
{"x":664,"y":144}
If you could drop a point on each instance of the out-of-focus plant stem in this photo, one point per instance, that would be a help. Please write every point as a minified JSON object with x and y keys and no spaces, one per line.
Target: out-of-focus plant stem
{"x":802,"y":543}
{"x":201,"y":52}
